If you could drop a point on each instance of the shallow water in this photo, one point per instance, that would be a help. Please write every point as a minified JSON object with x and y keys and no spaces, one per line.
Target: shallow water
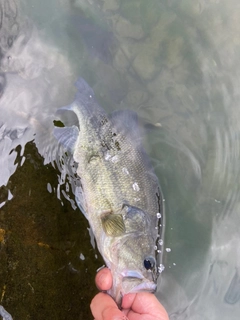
{"x":177,"y":64}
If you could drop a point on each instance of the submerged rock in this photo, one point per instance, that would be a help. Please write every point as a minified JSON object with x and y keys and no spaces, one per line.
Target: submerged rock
{"x":111,"y":5}
{"x":126,"y":29}
{"x":147,"y":62}
{"x":136,"y":98}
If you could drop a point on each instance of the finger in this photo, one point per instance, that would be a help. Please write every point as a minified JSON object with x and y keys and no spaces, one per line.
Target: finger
{"x":103,"y":307}
{"x":104,"y":279}
{"x":144,"y":303}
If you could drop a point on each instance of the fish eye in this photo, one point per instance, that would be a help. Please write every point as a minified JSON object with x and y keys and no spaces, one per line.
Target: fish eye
{"x":149,"y":263}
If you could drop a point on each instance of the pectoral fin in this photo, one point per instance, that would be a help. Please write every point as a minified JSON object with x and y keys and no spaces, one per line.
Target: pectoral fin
{"x":113,"y":225}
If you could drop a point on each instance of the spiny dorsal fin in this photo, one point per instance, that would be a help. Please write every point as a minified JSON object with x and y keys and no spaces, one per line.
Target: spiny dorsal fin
{"x":126,"y":123}
{"x":113,"y":225}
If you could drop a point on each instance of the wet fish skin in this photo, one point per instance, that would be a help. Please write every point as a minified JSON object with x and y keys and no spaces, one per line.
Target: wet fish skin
{"x":120,"y":194}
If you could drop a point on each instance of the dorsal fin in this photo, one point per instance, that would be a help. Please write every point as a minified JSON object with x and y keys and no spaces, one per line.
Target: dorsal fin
{"x":126,"y":123}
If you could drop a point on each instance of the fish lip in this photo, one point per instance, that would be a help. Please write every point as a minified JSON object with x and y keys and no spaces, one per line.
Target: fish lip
{"x":142,"y":285}
{"x":132,"y":274}
{"x":145,"y":286}
{"x":118,"y":291}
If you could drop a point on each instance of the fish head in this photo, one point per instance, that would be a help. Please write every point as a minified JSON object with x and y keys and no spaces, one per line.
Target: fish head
{"x":133,"y":257}
{"x":135,"y":268}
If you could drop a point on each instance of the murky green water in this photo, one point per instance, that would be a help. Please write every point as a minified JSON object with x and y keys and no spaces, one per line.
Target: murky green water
{"x":177,"y":64}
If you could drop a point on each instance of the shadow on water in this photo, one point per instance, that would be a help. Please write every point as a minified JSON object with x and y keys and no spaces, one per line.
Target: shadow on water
{"x":42,"y":274}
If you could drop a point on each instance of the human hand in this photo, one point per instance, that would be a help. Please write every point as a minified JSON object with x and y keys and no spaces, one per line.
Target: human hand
{"x":135,"y":306}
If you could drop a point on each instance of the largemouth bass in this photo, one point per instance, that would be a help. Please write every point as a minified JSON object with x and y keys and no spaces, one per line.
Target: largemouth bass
{"x":119,"y":193}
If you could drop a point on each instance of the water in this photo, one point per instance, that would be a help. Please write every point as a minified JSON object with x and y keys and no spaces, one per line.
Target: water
{"x":177,"y":64}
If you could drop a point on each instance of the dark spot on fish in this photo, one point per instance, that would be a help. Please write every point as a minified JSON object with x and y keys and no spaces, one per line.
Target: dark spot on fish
{"x":117,"y":145}
{"x":104,"y":121}
{"x":105,"y":145}
{"x":115,"y":142}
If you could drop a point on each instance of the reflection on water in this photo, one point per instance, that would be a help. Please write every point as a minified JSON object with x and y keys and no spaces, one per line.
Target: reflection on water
{"x":177,"y":64}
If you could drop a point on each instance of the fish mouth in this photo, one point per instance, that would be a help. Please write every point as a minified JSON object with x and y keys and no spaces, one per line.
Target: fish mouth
{"x":133,"y":281}
{"x":143,"y":286}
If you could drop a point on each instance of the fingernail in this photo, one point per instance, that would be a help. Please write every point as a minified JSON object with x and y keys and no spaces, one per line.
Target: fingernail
{"x":102,"y":267}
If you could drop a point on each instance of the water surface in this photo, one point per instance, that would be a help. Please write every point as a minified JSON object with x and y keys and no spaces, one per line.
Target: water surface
{"x":177,"y":64}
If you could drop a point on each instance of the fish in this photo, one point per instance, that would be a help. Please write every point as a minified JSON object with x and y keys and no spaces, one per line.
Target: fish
{"x":119,"y":192}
